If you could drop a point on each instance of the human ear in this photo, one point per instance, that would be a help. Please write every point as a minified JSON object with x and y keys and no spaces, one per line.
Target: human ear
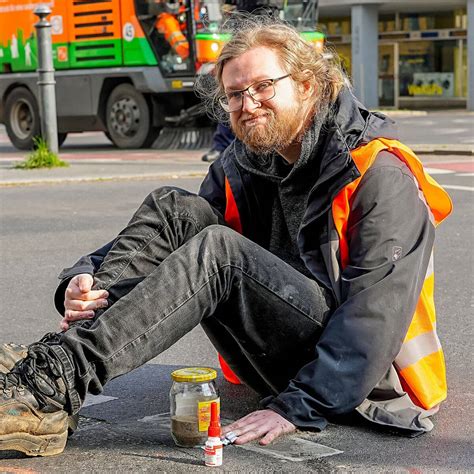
{"x":307,"y":85}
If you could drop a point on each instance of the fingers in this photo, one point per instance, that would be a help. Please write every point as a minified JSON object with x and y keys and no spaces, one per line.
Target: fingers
{"x":277,"y":430}
{"x":79,"y":310}
{"x":80,"y":301}
{"x":80,"y":305}
{"x":73,"y":293}
{"x":84,"y":282}
{"x":265,"y":425}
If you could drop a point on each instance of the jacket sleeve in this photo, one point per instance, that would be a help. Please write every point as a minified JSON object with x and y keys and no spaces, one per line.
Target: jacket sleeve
{"x":87,"y":264}
{"x":391,"y":239}
{"x":213,"y":187}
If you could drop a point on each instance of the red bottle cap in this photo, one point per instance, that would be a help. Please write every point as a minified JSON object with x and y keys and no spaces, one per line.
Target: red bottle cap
{"x":214,"y":430}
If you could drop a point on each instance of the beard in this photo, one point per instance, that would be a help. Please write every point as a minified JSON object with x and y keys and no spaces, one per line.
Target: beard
{"x":276,"y":133}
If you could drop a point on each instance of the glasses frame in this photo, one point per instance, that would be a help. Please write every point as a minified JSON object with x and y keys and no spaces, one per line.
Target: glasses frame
{"x":273,"y":81}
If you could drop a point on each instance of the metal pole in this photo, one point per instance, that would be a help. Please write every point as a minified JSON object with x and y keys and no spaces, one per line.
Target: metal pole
{"x":470,"y":54}
{"x":46,"y":82}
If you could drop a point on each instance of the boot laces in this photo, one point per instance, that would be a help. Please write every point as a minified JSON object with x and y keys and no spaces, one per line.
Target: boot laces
{"x":11,"y":382}
{"x":51,"y":338}
{"x":37,"y":373}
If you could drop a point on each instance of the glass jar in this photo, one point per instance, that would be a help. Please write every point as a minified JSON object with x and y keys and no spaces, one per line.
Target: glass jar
{"x":191,"y":395}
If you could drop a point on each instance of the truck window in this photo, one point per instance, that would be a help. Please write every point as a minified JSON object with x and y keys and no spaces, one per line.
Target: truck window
{"x":166,"y":25}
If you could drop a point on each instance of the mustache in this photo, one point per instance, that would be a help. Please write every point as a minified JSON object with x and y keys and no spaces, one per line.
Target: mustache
{"x":254,"y":116}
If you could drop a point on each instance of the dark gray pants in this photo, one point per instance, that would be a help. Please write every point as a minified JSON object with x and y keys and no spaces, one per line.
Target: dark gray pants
{"x":174,"y":267}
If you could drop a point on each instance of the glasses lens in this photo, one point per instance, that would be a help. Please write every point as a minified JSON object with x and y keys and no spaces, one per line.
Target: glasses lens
{"x":260,"y":91}
{"x":224,"y":103}
{"x":231,"y":102}
{"x":263,"y":90}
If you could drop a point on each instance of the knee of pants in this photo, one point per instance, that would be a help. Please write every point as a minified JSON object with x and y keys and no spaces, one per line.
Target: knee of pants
{"x":179,"y":202}
{"x":226,"y":244}
{"x":166,"y":193}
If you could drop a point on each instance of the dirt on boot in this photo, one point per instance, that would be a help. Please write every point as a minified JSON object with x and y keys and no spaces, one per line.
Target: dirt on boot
{"x":33,"y":397}
{"x":26,"y":428}
{"x":10,"y":354}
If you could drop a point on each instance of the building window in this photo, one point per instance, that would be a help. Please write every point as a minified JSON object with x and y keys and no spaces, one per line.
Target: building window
{"x":387,"y":23}
{"x":427,"y":21}
{"x":432,"y":69}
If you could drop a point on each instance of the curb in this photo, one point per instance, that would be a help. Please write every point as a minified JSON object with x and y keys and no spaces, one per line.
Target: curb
{"x":401,"y":113}
{"x":441,"y":149}
{"x":420,"y":149}
{"x":89,"y":179}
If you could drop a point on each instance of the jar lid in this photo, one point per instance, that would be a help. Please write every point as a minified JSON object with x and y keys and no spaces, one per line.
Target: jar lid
{"x":194,"y":374}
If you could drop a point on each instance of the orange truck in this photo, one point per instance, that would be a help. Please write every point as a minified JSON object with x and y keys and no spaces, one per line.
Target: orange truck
{"x":115,"y":68}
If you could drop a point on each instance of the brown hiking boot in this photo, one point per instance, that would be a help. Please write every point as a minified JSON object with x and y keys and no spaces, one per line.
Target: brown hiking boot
{"x":32,"y":400}
{"x":10,"y":354}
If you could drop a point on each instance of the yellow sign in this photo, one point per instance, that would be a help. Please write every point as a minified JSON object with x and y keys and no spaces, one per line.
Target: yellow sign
{"x":425,"y":89}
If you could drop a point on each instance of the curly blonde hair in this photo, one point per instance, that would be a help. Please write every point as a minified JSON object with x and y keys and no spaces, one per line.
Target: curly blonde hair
{"x":295,"y":53}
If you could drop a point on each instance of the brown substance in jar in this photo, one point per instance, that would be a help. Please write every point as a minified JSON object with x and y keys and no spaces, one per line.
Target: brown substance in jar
{"x":184,"y":430}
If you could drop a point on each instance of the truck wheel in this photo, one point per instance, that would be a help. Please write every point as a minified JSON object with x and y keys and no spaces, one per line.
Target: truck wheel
{"x":128,"y":118}
{"x":22,"y":118}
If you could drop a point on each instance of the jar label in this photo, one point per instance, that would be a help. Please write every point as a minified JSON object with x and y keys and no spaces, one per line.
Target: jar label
{"x":204,"y":413}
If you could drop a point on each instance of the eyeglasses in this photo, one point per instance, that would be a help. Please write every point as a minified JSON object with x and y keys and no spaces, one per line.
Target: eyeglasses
{"x":259,"y":91}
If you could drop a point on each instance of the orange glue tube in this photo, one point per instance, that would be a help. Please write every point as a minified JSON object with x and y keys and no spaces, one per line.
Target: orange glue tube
{"x":213,"y":447}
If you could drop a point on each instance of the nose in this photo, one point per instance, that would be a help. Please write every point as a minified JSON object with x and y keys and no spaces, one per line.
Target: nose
{"x":249,"y":103}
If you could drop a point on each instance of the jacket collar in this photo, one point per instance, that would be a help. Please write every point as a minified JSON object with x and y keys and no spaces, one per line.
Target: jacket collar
{"x":349,"y":125}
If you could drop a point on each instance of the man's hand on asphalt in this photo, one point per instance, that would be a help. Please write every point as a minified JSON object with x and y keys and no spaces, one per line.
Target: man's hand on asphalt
{"x":265,"y":424}
{"x":81,"y":301}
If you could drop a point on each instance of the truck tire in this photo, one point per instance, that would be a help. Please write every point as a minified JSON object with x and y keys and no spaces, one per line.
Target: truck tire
{"x":129,"y":118}
{"x":22,"y":119}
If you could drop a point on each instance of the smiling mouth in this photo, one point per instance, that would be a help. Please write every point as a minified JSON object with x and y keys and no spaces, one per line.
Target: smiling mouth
{"x":259,"y":119}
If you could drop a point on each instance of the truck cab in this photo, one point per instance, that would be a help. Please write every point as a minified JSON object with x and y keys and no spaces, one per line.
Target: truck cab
{"x":121,"y":66}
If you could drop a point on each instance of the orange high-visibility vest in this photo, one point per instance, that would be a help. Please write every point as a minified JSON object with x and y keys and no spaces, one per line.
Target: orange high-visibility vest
{"x":168,"y":25}
{"x":420,"y":362}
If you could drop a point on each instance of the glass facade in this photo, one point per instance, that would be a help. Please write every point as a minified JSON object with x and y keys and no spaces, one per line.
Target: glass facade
{"x":421,"y":55}
{"x":428,"y":68}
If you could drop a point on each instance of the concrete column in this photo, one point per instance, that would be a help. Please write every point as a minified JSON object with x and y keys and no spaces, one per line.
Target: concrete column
{"x":365,"y":43}
{"x":470,"y":55}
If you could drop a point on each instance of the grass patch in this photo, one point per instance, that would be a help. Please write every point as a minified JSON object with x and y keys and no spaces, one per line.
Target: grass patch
{"x":41,"y":157}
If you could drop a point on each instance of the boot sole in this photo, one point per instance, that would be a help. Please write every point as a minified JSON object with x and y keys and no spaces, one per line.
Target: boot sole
{"x":34,"y":445}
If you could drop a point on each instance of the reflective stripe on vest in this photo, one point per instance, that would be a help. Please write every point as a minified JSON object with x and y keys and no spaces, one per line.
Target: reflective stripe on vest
{"x":420,"y":363}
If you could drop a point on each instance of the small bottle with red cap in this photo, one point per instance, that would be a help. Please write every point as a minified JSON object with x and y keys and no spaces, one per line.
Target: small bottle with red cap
{"x":213,"y":446}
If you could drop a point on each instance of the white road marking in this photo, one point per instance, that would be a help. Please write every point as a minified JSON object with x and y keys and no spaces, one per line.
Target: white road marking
{"x":438,"y":171}
{"x":417,"y":121}
{"x":289,"y":448}
{"x":462,"y":120}
{"x":96,"y":400}
{"x":454,"y":131}
{"x":459,"y":188}
{"x":293,"y":449}
{"x":464,"y":174}
{"x":162,"y":418}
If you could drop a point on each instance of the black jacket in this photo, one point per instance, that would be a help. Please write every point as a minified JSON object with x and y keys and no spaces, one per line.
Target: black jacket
{"x":377,"y":296}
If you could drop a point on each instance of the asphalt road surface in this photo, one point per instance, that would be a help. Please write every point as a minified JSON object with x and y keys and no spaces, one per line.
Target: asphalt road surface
{"x":45,"y":228}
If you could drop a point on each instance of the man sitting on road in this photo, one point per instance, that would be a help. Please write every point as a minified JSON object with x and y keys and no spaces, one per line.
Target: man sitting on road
{"x":306,"y":258}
